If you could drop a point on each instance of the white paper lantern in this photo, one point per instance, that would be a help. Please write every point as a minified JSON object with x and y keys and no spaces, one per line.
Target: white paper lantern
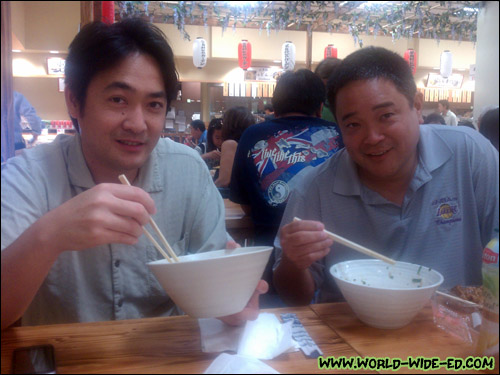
{"x":200,"y":52}
{"x":288,"y":56}
{"x":446,"y":64}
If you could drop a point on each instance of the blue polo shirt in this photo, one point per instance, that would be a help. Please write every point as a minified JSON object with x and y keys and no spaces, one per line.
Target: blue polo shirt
{"x":448,"y":215}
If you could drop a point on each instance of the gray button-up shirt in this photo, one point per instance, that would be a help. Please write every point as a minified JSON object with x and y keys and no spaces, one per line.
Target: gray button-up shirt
{"x":110,"y":281}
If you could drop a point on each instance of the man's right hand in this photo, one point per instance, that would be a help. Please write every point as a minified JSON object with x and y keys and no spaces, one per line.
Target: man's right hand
{"x":304,"y":242}
{"x":107,"y":213}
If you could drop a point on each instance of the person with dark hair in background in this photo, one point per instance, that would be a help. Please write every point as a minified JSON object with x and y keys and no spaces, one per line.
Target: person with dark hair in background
{"x":449,"y":117}
{"x":214,"y":143}
{"x":269,"y":112}
{"x":198,"y":137}
{"x":488,"y":126}
{"x":72,"y":244}
{"x":420,"y":194}
{"x":235,"y":121}
{"x":24,"y":111}
{"x":325,"y":70}
{"x":434,"y":118}
{"x":273,"y":156}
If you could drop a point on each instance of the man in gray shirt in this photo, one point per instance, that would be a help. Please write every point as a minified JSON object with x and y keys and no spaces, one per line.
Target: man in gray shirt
{"x":421,"y":194}
{"x":72,"y":244}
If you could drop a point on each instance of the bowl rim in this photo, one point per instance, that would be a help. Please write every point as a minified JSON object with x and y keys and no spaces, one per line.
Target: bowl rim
{"x":257,"y":249}
{"x":377,"y":261}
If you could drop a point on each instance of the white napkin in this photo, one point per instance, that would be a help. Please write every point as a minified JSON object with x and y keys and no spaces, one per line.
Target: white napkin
{"x":237,"y":364}
{"x":264,"y":338}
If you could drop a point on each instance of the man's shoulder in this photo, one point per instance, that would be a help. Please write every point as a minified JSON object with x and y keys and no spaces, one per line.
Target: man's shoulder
{"x":449,"y":133}
{"x":171,"y":150}
{"x":459,"y":139}
{"x":46,"y":153}
{"x":323,"y":174}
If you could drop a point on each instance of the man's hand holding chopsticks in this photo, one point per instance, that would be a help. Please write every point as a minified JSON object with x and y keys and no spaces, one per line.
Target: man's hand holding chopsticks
{"x":107,"y":213}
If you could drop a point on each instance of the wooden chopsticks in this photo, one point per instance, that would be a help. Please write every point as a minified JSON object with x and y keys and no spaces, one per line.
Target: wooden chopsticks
{"x":355,"y":246}
{"x":124,"y":181}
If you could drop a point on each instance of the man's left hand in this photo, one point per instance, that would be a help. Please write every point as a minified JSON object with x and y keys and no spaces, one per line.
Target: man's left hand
{"x":251,"y":311}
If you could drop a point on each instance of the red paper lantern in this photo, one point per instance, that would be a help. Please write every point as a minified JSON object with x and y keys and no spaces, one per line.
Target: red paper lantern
{"x":108,"y":12}
{"x":330,"y":51}
{"x":244,"y":54}
{"x":411,"y":59}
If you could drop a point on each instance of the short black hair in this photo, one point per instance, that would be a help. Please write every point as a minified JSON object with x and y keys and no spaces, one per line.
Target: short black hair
{"x":326,"y":67}
{"x":100,"y":46}
{"x":198,"y":124}
{"x":301,"y":91}
{"x":372,"y":63}
{"x":489,"y":126}
{"x":235,"y":122}
{"x":434,"y":118}
{"x":269,"y":107}
{"x":445,"y":103}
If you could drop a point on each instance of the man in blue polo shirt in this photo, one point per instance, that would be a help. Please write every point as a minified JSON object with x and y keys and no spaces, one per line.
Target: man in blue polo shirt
{"x":419,"y":194}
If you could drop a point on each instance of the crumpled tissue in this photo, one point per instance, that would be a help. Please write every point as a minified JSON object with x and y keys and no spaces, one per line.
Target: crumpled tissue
{"x":236,"y":364}
{"x":264,"y":338}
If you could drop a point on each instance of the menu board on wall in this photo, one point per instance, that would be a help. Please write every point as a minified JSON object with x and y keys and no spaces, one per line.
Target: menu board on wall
{"x":437,"y":80}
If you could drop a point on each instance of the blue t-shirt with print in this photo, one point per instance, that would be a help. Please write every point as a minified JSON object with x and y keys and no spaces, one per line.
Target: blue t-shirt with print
{"x":269,"y":161}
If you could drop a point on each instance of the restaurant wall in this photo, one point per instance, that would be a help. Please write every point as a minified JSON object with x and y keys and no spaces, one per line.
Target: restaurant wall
{"x":51,"y":25}
{"x":43,"y":26}
{"x":487,"y":86}
{"x":43,"y":95}
{"x":345,"y":44}
{"x":183,"y":47}
{"x":263,"y":47}
{"x":464,"y":53}
{"x":18,"y":24}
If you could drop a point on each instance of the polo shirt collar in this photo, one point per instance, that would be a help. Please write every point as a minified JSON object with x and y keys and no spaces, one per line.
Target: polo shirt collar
{"x":346,"y":180}
{"x":79,"y":174}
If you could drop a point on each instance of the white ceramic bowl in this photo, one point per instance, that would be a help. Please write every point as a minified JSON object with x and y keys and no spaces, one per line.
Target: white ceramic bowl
{"x":383,"y":295}
{"x":215,"y":283}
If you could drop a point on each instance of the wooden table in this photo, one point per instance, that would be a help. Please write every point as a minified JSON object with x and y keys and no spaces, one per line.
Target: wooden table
{"x":419,"y":338}
{"x":238,"y":224}
{"x":173,"y":344}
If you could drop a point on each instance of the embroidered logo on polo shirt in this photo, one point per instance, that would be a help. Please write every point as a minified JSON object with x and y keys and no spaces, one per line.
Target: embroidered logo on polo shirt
{"x":447,"y":210}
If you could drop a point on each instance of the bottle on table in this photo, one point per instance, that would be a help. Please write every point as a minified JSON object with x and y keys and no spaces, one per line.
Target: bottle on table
{"x":488,"y":336}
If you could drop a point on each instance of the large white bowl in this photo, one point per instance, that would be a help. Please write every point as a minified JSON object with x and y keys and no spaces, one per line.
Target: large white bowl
{"x":215,"y":283}
{"x":383,"y":295}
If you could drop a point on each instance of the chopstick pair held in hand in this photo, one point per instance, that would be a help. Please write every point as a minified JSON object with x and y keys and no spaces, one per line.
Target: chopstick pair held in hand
{"x":124,"y":181}
{"x":355,"y":246}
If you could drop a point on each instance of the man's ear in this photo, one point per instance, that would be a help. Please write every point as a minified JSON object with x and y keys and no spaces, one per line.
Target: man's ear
{"x":71,"y":103}
{"x":418,"y":103}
